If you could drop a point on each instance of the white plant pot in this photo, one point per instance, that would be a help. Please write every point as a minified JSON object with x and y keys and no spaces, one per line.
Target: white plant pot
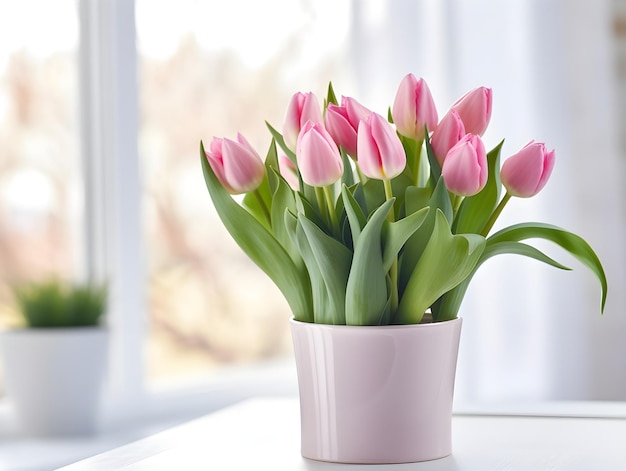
{"x":54,"y":377}
{"x":376,"y":394}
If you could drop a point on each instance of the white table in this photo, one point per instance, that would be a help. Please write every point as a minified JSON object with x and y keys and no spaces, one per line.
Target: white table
{"x":264,"y":434}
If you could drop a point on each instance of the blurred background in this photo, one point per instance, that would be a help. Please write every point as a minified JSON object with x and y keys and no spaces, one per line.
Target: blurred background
{"x":102,"y":107}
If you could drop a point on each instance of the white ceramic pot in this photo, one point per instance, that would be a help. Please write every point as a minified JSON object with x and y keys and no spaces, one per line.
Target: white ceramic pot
{"x":376,"y":394}
{"x":54,"y":377}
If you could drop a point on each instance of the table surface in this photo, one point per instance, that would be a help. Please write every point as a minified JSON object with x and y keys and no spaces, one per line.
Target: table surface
{"x":264,"y":434}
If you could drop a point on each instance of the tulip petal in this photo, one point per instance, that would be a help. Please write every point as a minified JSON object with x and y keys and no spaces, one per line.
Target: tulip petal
{"x":474,"y":108}
{"x":318,"y":157}
{"x":525,"y":173}
{"x":465,"y":167}
{"x":447,"y":133}
{"x":381,"y":155}
{"x":414,"y":108}
{"x":340,"y":129}
{"x":243,"y":168}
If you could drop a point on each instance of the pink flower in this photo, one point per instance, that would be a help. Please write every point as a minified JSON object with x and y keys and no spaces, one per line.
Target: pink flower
{"x":414,"y":108}
{"x":303,"y":107}
{"x":318,"y":157}
{"x":474,"y":108}
{"x":289,"y":171}
{"x":525,"y":174}
{"x":236,"y":164}
{"x":465,"y":167}
{"x":381,"y":154}
{"x":449,"y":131}
{"x":342,"y":123}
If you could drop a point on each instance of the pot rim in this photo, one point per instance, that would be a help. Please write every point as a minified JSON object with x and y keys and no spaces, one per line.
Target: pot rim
{"x":429,"y":325}
{"x":97,"y":329}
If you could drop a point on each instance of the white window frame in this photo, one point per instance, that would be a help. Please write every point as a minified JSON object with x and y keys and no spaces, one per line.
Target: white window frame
{"x":112,"y":230}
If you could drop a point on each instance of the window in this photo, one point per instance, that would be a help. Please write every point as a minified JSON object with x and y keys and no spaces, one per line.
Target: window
{"x":186,"y":301}
{"x":200,"y":77}
{"x":40,"y":169}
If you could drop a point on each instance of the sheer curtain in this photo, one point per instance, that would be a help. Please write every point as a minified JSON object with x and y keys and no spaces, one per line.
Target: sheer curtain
{"x":531,"y":332}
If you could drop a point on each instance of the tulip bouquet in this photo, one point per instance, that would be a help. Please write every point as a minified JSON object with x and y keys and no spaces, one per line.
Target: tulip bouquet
{"x":366,"y":220}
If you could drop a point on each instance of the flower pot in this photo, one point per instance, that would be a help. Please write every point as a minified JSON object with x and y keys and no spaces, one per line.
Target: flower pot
{"x":376,"y":394}
{"x":53,"y":376}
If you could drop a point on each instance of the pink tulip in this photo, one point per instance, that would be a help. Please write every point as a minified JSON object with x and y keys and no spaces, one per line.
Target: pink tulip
{"x":380,"y":151}
{"x":524,"y":174}
{"x":289,"y":171}
{"x":318,"y":157}
{"x":465,"y":167}
{"x":342,"y":122}
{"x":414,"y":108}
{"x":303,"y":107}
{"x":474,"y":108}
{"x":449,"y":131}
{"x":236,"y":164}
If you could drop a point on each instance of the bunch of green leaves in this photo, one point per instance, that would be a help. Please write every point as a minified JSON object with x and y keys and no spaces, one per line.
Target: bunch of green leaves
{"x":390,"y":261}
{"x":52,"y":303}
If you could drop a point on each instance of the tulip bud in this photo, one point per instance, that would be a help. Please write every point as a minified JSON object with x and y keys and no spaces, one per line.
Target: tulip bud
{"x":342,"y":123}
{"x":525,"y":174}
{"x":449,"y":131}
{"x":318,"y":157}
{"x":465,"y":167}
{"x":414,"y":108}
{"x":474,"y":108}
{"x":236,"y":164}
{"x":380,"y":151}
{"x":289,"y":171}
{"x":303,"y":107}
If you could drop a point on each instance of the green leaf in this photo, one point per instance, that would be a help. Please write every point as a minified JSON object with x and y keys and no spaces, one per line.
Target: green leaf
{"x":261,"y":246}
{"x":356,"y":218}
{"x":494,"y":248}
{"x":311,"y":212}
{"x":265,"y":190}
{"x":271,"y":166}
{"x":366,"y":292}
{"x":475,"y":211}
{"x":283,"y":201}
{"x":328,"y":262}
{"x":572,"y":243}
{"x":447,"y":260}
{"x":278,"y":137}
{"x":435,"y":168}
{"x":397,"y":233}
{"x":414,"y":247}
{"x":348,"y":174}
{"x":374,"y":192}
{"x":410,"y":151}
{"x":447,"y":307}
{"x":416,"y":198}
{"x":330,"y":97}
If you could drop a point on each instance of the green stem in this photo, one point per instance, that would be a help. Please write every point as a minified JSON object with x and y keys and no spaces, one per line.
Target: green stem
{"x":331,"y":209}
{"x":456,"y":202}
{"x":264,"y":208}
{"x":416,"y":162}
{"x":393,"y":271}
{"x":388,"y":193}
{"x":321,"y":202}
{"x":495,"y":215}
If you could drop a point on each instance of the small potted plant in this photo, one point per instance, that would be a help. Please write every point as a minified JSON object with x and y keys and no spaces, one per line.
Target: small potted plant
{"x":373,"y":228}
{"x":54,"y":364}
